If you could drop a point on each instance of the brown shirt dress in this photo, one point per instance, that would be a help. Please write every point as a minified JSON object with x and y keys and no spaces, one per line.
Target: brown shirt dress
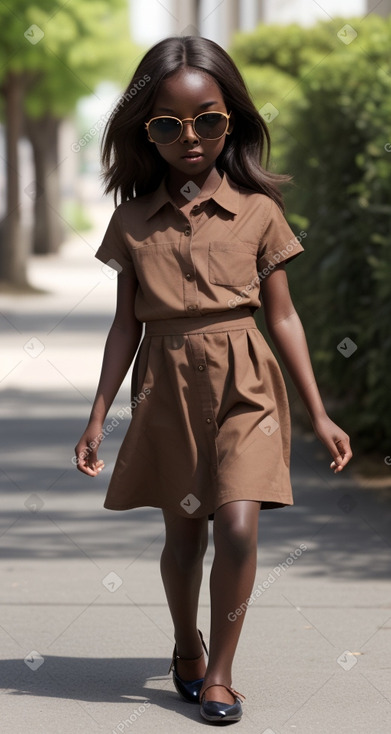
{"x":210,"y":420}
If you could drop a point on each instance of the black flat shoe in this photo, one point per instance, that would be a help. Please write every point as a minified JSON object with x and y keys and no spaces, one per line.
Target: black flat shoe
{"x":188,"y":689}
{"x":218,"y":712}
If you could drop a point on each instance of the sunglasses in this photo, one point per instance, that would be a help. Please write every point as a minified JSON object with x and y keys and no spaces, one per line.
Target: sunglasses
{"x":207,"y":125}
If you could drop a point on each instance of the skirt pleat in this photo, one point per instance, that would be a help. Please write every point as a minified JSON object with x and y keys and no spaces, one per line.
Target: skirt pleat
{"x":210,"y":420}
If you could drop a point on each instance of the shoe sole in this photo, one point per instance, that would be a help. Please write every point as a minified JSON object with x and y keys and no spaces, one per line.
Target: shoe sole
{"x":220,"y":719}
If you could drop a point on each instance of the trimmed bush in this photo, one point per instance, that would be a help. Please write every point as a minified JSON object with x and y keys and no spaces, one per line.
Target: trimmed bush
{"x":339,"y":152}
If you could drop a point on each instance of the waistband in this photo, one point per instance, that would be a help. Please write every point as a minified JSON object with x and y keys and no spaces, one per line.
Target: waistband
{"x":240,"y":318}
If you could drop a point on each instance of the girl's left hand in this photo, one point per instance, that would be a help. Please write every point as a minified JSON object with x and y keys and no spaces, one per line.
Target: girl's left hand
{"x":336,"y":440}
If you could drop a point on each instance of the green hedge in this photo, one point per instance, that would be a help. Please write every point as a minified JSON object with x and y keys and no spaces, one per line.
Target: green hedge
{"x":336,"y":120}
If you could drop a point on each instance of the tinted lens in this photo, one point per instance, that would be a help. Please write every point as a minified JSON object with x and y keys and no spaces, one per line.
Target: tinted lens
{"x":164,"y":130}
{"x":211,"y":125}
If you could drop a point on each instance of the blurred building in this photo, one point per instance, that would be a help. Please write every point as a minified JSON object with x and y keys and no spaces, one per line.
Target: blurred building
{"x":152,"y":20}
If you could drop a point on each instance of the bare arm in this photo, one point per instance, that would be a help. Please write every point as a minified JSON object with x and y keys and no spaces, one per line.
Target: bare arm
{"x":286,"y":330}
{"x":121,"y":346}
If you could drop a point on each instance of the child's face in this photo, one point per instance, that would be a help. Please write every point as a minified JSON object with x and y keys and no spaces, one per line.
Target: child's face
{"x":186,"y":94}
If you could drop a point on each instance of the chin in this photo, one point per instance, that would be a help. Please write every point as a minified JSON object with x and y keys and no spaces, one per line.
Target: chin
{"x":200,"y":167}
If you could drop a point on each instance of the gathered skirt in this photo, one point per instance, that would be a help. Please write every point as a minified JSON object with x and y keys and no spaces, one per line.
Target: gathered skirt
{"x":210,"y":420}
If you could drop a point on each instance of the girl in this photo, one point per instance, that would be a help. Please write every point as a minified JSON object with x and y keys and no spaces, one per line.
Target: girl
{"x":199,"y":233}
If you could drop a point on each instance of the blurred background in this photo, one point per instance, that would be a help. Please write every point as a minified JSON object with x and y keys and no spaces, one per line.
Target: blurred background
{"x":322,"y":82}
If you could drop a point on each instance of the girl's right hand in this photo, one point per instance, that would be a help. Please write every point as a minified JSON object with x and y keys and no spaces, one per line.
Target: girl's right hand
{"x":86,"y":450}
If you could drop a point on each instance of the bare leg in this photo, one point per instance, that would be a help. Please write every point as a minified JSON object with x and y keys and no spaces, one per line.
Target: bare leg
{"x":181,"y":570}
{"x":231,"y":582}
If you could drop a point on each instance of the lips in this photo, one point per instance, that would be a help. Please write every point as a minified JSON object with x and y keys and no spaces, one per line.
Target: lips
{"x":193,"y":154}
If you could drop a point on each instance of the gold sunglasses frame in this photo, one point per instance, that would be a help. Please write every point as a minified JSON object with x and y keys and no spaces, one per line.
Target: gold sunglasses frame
{"x":188,"y":119}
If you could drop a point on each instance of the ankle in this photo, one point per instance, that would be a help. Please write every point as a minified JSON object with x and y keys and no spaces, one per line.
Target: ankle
{"x":189,"y":647}
{"x":191,"y":669}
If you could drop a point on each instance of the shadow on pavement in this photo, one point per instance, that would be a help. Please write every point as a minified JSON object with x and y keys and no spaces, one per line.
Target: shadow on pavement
{"x":107,"y":680}
{"x":347,"y":528}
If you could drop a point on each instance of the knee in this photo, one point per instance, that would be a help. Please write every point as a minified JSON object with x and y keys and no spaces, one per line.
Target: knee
{"x":187,"y":550}
{"x":236,"y":539}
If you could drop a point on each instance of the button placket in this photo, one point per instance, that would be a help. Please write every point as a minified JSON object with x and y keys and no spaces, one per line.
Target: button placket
{"x":201,"y":369}
{"x":190,"y":290}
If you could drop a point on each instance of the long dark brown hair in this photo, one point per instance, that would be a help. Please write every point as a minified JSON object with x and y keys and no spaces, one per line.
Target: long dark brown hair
{"x":132,"y":166}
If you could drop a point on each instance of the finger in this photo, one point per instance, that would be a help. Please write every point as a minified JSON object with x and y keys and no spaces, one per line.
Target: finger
{"x":337,"y":467}
{"x":345,"y":451}
{"x":91,"y":471}
{"x":85,"y":469}
{"x":335,"y":453}
{"x":87,"y":461}
{"x":96,"y":466}
{"x":82,"y":463}
{"x":342,"y":454}
{"x":93,"y":461}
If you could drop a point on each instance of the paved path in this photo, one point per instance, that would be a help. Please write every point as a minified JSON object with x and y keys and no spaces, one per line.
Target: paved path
{"x":86,"y":635}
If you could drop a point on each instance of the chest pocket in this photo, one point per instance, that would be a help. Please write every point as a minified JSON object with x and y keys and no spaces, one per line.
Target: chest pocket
{"x":230,"y":264}
{"x":158,"y":267}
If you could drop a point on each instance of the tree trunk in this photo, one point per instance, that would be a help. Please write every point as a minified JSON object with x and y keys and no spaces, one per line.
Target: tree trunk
{"x":43,"y":135}
{"x":14,"y":248}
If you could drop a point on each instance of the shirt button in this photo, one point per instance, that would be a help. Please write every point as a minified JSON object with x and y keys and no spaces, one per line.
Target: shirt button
{"x":187,"y":231}
{"x":188,"y":276}
{"x":201,"y":366}
{"x":209,"y":420}
{"x":191,"y":308}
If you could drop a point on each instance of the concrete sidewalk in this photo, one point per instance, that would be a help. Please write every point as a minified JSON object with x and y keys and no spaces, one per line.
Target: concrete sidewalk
{"x":86,"y":635}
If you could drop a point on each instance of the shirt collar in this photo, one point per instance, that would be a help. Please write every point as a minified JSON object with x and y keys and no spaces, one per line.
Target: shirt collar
{"x":227,"y":196}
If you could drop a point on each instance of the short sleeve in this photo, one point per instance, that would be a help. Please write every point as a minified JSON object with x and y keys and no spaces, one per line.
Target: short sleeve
{"x":113,"y":250}
{"x":278,"y":243}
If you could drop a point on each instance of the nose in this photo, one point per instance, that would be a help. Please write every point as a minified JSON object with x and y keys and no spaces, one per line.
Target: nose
{"x":188,"y":134}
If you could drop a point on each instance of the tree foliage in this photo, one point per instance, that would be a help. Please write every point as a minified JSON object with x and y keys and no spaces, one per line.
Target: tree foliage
{"x":51,"y":54}
{"x":82,"y":43}
{"x":333,"y":135}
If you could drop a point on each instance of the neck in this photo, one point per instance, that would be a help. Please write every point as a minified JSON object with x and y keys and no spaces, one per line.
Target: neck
{"x":207,"y":182}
